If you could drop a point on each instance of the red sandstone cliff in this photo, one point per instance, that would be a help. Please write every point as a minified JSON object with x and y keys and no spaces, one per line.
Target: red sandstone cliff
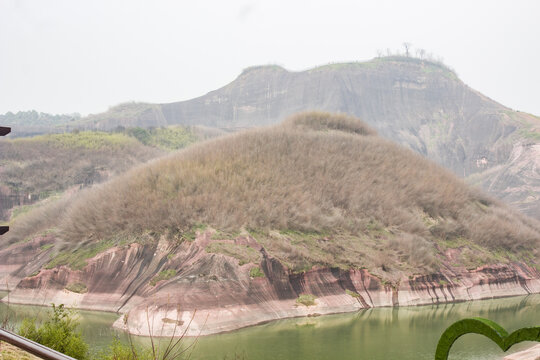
{"x":212,"y":293}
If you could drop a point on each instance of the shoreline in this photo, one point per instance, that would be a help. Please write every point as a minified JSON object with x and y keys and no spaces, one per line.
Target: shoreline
{"x":213,"y":293}
{"x":228,"y":319}
{"x":314,"y":315}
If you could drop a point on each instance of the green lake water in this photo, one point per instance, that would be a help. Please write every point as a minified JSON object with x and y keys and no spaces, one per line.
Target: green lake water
{"x":383,"y":333}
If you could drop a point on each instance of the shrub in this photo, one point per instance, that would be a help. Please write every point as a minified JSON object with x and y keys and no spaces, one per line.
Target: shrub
{"x":119,"y":351}
{"x":59,"y":332}
{"x":164,"y":275}
{"x":169,"y":138}
{"x":321,"y":121}
{"x":255,"y":272}
{"x":77,"y":288}
{"x":306,"y":299}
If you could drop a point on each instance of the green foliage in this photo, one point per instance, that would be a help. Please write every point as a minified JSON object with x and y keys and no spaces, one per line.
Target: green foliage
{"x":119,"y":351}
{"x":46,"y":247}
{"x":163,"y":275}
{"x":191,"y":234}
{"x":59,"y":332}
{"x":168,"y":138}
{"x":76,"y":259}
{"x":143,"y":135}
{"x":306,"y":299}
{"x":487,"y":328}
{"x":354,"y":294}
{"x":171,"y":349}
{"x":84,"y":139}
{"x":256,"y":272}
{"x":79,"y":288}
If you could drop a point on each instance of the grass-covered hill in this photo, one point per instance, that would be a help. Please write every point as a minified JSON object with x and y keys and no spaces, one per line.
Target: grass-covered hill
{"x":37,"y":167}
{"x":317,"y":190}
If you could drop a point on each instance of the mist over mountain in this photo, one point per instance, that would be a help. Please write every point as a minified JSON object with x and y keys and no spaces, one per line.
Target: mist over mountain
{"x":420,"y":104}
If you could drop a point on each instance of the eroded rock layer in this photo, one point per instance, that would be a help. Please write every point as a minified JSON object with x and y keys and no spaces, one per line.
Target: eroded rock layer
{"x":212,"y":293}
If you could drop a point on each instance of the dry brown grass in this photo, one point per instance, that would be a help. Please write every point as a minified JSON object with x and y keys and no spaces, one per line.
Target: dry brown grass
{"x":10,"y":352}
{"x":321,"y":121}
{"x":40,"y":219}
{"x":292,"y":178}
{"x":335,"y":177}
{"x":51,"y":163}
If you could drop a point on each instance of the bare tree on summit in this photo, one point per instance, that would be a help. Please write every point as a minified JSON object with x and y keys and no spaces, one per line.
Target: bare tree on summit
{"x":407,"y":46}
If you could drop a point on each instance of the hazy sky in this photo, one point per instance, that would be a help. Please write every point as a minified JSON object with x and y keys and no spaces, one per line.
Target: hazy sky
{"x":84,"y":56}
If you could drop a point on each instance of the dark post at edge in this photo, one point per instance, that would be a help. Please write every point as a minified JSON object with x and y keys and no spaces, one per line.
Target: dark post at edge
{"x":3,"y":132}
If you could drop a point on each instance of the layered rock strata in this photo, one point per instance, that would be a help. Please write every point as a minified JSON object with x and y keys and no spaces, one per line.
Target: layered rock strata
{"x":211,"y":293}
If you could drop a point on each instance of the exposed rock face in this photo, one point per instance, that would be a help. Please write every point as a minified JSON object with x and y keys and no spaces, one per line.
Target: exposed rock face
{"x":212,"y":293}
{"x":421,"y":105}
{"x":23,"y":259}
{"x":517,"y":181}
{"x":529,"y":354}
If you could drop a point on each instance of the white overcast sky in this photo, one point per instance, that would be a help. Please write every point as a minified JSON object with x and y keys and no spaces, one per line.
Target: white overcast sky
{"x":63,"y":56}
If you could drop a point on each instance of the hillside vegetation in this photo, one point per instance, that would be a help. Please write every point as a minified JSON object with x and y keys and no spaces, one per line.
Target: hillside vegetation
{"x":130,"y":114}
{"x":50,"y":163}
{"x":167,"y":138}
{"x":319,"y":189}
{"x":35,"y":168}
{"x":34,"y":118}
{"x":30,"y":123}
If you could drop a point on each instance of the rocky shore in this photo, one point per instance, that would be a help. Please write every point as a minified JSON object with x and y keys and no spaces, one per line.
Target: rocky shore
{"x":212,"y":293}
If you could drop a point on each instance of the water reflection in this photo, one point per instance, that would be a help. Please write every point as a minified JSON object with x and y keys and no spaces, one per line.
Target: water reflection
{"x":383,"y":333}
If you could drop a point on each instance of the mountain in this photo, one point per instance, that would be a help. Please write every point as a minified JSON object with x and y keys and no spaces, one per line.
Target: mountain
{"x":420,"y":104}
{"x":316,"y":215}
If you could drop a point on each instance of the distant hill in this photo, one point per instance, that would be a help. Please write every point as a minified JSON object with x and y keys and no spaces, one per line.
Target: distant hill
{"x":419,"y":104}
{"x":34,"y":168}
{"x":30,"y":123}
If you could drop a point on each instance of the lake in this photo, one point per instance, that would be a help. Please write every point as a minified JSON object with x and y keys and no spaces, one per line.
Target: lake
{"x":382,"y":333}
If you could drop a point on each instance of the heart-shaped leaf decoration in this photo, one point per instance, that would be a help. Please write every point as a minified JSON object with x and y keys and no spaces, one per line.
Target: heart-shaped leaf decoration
{"x":487,"y":328}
